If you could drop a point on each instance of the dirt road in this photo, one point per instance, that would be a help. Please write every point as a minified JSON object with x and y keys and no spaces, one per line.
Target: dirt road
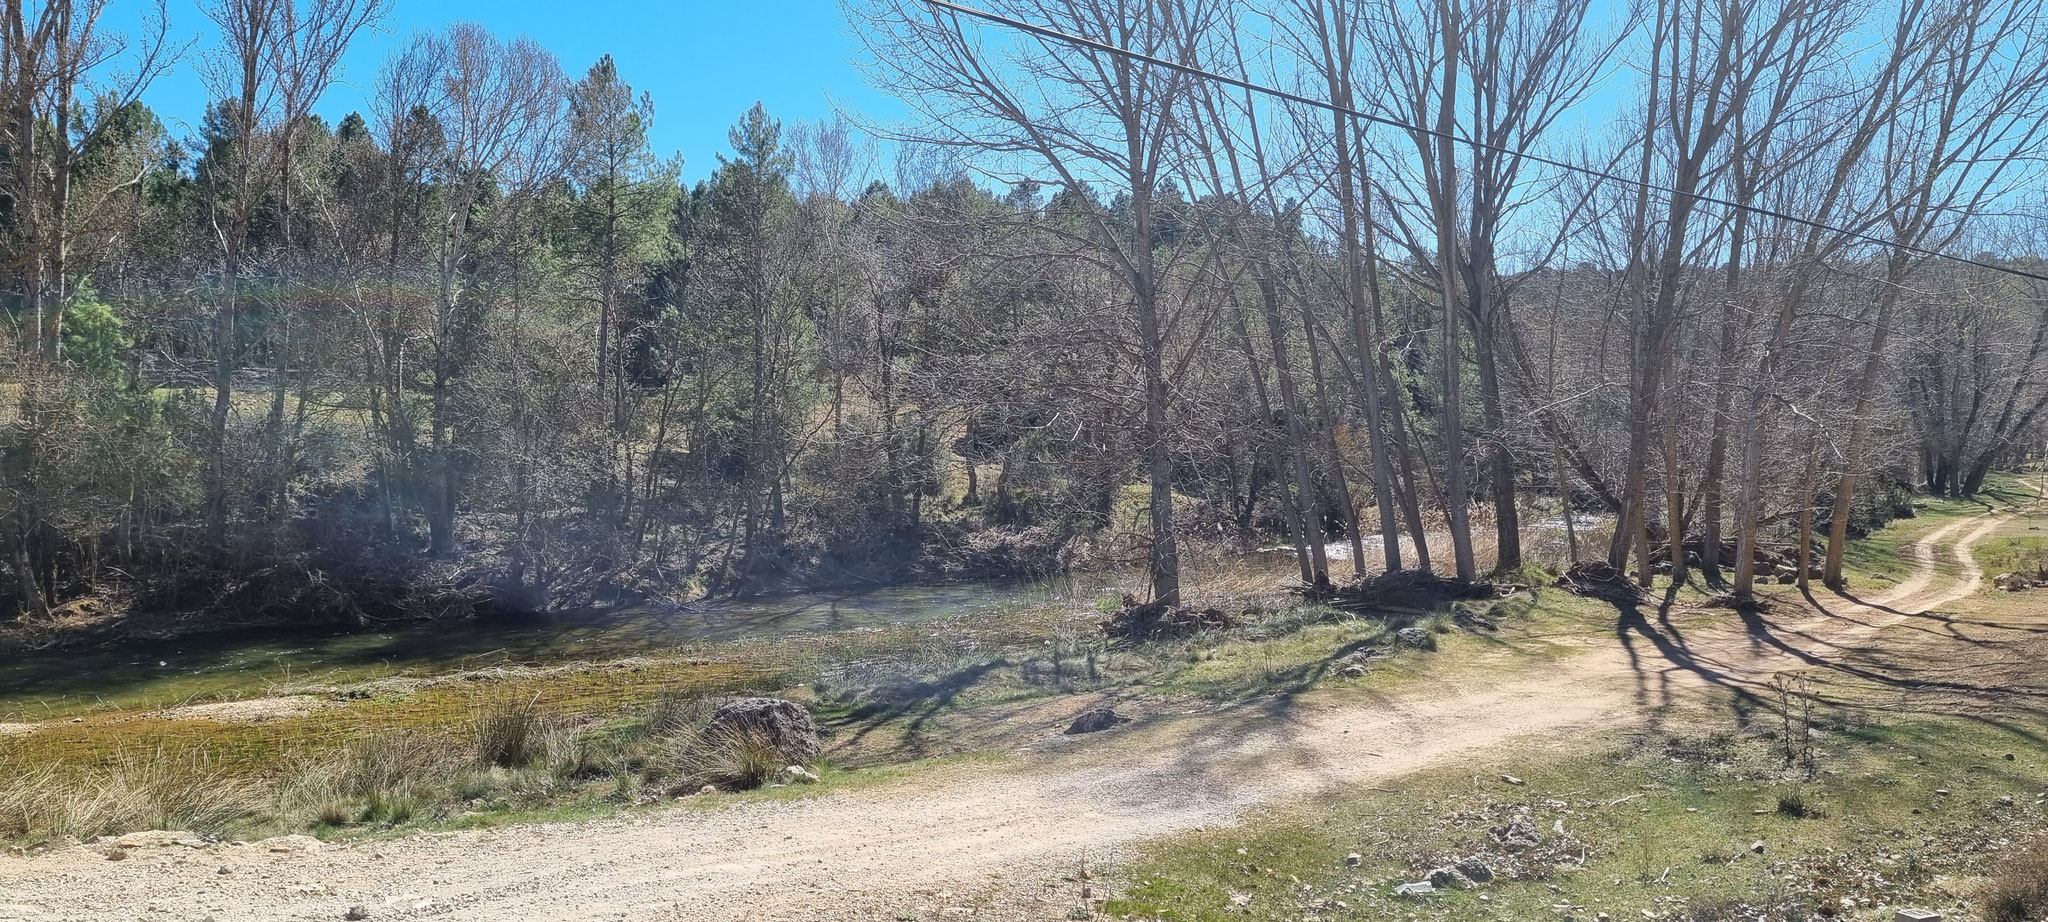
{"x":989,"y":837}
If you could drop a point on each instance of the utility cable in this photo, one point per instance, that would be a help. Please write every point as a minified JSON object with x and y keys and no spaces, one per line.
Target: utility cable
{"x":1190,"y":70}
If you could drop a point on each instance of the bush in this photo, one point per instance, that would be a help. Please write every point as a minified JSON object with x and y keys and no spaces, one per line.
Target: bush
{"x":2018,"y":892}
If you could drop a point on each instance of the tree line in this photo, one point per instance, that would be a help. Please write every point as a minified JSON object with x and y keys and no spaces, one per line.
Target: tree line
{"x":477,"y":347}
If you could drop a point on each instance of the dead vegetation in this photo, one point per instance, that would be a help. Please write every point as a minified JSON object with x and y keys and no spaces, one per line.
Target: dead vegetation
{"x":1407,"y":590}
{"x":2018,"y":890}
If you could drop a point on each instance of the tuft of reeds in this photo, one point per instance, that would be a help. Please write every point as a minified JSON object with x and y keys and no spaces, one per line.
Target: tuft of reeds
{"x":507,"y":732}
{"x":2018,"y":890}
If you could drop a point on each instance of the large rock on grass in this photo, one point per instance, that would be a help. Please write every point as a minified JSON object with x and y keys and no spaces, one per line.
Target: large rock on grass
{"x":784,"y":725}
{"x":1096,"y":720}
{"x":1416,"y":637}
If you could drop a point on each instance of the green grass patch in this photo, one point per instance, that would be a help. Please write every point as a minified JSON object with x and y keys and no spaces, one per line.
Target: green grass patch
{"x":1634,"y":825}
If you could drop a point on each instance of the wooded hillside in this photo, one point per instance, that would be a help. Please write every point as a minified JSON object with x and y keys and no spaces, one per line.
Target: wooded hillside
{"x":478,"y":348}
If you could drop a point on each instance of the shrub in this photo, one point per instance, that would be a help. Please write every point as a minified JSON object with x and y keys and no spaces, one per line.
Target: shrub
{"x":2018,"y":891}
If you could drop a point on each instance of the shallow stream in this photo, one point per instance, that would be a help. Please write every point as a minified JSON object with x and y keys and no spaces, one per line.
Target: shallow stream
{"x":38,"y":686}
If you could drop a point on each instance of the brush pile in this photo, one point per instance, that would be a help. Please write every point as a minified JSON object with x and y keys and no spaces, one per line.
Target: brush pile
{"x":1406,"y":589}
{"x":1596,"y":580}
{"x":1778,"y":563}
{"x":1137,"y":620}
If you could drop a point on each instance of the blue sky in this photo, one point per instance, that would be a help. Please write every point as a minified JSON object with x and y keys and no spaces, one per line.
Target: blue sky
{"x":705,"y":62}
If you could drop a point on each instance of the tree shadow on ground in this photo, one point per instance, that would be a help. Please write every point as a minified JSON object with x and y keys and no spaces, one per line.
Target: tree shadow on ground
{"x":1952,"y":666}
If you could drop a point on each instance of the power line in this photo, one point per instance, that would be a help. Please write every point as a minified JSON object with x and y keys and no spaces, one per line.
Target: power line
{"x":1076,"y":40}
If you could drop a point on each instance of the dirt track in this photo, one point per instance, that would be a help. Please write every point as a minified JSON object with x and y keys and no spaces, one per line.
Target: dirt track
{"x":992,"y":837}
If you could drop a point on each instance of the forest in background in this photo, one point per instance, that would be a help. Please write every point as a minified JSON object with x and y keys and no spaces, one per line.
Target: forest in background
{"x":477,"y":348}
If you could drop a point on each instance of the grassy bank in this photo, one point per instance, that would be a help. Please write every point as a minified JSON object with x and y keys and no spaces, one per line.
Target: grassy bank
{"x":1706,"y":820}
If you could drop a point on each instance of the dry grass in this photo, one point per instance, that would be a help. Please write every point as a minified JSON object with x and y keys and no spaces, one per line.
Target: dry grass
{"x":158,"y":790}
{"x":734,"y":759}
{"x":2018,"y":892}
{"x":508,"y":732}
{"x":384,"y":777}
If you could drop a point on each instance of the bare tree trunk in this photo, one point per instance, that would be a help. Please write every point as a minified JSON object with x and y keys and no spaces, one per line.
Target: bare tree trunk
{"x":1456,"y":501}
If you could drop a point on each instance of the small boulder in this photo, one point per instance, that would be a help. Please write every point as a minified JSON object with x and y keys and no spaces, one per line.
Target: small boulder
{"x":1096,"y":720}
{"x":797,"y":774}
{"x":1418,"y":888}
{"x":1450,"y":879}
{"x":1519,"y":834}
{"x":1475,"y":871}
{"x":784,"y":725}
{"x":1353,"y":860}
{"x":1472,"y":618}
{"x":356,"y":914}
{"x":1415,"y":637}
{"x":1757,"y":847}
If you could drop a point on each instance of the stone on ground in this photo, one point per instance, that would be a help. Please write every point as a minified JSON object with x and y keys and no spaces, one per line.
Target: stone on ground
{"x":1096,"y":720}
{"x":784,"y":725}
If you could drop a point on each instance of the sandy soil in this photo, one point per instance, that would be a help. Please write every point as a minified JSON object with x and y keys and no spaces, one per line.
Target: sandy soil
{"x":969,"y":840}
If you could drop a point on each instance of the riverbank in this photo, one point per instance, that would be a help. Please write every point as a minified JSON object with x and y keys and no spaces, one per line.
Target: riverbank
{"x":989,"y":678}
{"x":1567,"y":716}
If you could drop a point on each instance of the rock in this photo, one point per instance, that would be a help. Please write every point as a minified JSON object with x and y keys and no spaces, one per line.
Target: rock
{"x":1415,"y":637}
{"x":1450,"y":879}
{"x":785,"y":725}
{"x":797,"y":774}
{"x":1354,"y":671}
{"x":1757,"y":846}
{"x":1917,"y":915}
{"x":1475,"y":870}
{"x":1472,"y":618}
{"x":1096,"y":720}
{"x":223,"y":870}
{"x":1510,"y":779}
{"x":1419,"y":888}
{"x":1353,"y":860}
{"x":356,"y":914}
{"x":115,"y":854}
{"x":1520,"y":833}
